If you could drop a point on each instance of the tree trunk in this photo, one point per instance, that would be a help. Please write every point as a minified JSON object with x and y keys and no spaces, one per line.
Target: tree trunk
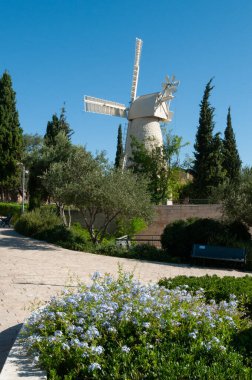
{"x":62,"y":214}
{"x":69,"y":217}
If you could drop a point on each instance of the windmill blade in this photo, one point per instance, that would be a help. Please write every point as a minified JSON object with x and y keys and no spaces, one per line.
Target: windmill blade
{"x":105,"y":107}
{"x":138,"y":50}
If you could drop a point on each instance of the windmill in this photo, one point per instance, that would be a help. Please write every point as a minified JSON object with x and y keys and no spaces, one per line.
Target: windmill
{"x":144,"y":113}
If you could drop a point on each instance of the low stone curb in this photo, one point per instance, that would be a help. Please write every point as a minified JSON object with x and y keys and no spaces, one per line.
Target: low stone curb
{"x":19,"y":365}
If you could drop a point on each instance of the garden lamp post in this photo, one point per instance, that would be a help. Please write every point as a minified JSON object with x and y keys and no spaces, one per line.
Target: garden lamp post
{"x":23,"y":184}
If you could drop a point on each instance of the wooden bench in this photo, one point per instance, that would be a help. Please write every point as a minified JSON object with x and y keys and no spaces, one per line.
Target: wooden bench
{"x":211,"y":252}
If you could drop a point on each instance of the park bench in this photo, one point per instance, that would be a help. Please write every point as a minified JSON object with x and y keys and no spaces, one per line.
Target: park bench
{"x":217,"y":253}
{"x":5,"y":220}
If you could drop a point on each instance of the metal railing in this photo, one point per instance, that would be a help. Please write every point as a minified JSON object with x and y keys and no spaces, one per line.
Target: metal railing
{"x":154,"y":240}
{"x":125,"y":241}
{"x":191,"y":201}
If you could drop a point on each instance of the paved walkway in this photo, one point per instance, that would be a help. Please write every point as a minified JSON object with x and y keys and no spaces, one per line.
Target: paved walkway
{"x":32,"y":271}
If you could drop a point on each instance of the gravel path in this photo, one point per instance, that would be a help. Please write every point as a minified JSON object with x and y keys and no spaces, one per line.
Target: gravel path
{"x":32,"y":271}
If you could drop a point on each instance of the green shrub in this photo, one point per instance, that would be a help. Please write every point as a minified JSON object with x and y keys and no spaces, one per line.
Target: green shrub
{"x":7,"y":208}
{"x":110,"y":249}
{"x":131,"y":227}
{"x":76,"y":238}
{"x":176,"y":239}
{"x":217,"y":288}
{"x":239,"y":230}
{"x":148,"y":252}
{"x":179,"y":236}
{"x":122,"y":329}
{"x":36,"y":222}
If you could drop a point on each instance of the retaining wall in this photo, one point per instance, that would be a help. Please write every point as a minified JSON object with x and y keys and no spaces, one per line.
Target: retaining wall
{"x":168,"y":214}
{"x":164,"y":215}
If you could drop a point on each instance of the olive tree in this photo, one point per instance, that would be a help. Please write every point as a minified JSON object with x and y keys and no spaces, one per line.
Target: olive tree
{"x":98,"y":191}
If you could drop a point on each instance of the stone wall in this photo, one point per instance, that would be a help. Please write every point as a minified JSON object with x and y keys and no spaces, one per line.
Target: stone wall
{"x":167,"y":214}
{"x":78,"y":218}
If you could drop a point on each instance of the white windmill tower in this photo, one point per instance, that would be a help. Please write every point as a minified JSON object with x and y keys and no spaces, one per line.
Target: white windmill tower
{"x":144,"y":113}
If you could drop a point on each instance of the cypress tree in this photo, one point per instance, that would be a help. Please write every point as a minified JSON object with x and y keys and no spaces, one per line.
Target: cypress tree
{"x":56,"y":125}
{"x":231,"y":162}
{"x":203,"y":143}
{"x":11,"y":144}
{"x":216,"y":171}
{"x":119,"y":150}
{"x":208,"y":156}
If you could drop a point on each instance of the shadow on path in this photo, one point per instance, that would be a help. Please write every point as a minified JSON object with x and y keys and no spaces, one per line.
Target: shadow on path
{"x":12,"y":240}
{"x":7,"y":338}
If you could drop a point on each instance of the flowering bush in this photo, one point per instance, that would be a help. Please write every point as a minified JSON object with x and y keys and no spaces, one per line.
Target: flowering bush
{"x":121,"y":329}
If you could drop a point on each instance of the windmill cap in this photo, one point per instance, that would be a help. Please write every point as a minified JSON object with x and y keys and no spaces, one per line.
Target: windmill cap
{"x":147,"y":106}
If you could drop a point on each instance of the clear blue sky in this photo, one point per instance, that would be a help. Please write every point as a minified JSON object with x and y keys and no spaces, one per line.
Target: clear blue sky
{"x":57,"y":51}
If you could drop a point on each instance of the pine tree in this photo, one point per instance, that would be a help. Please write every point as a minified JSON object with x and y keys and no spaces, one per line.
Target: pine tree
{"x":10,"y":137}
{"x":232,"y":162}
{"x":119,"y":150}
{"x":56,"y":125}
{"x":208,"y":157}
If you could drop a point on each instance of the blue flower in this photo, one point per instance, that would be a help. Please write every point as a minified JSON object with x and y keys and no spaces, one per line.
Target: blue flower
{"x":65,"y":346}
{"x":125,"y":349}
{"x":93,"y":367}
{"x":97,"y":349}
{"x":95,"y":276}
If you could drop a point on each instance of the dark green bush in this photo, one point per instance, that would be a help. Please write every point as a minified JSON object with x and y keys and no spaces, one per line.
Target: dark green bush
{"x":36,"y":222}
{"x":75,"y":238}
{"x":239,"y":230}
{"x":7,"y":208}
{"x":110,"y":249}
{"x":176,"y":239}
{"x":148,"y":252}
{"x":179,"y":237}
{"x":217,"y":288}
{"x":44,"y":224}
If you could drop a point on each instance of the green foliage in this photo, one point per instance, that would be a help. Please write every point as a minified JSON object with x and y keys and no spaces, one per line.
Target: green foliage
{"x":176,"y":239}
{"x":46,"y":156}
{"x":56,"y":147}
{"x":10,"y":138}
{"x":122,"y":329}
{"x":119,"y":149}
{"x":7,"y":208}
{"x":44,"y":224}
{"x":95,"y":188}
{"x":208,"y":164}
{"x":55,"y":126}
{"x":160,"y":165}
{"x":130,"y":227}
{"x":109,"y":248}
{"x":217,"y":174}
{"x":76,"y":238}
{"x":36,"y":222}
{"x":236,"y":198}
{"x":179,"y":236}
{"x":216,"y":288}
{"x":32,"y":146}
{"x":37,"y":192}
{"x":148,"y":252}
{"x":239,"y":231}
{"x":231,"y":162}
